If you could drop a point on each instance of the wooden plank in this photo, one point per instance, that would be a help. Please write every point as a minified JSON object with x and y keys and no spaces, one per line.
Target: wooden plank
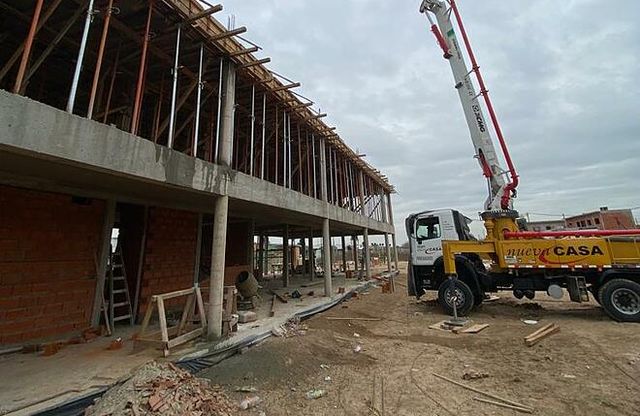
{"x":474,"y":329}
{"x":505,"y":405}
{"x":438,"y":326}
{"x":493,"y":396}
{"x":147,"y":318}
{"x":163,"y":319}
{"x":539,"y":337}
{"x":544,"y":328}
{"x":185,"y":337}
{"x":279,"y":296}
{"x":318,"y":283}
{"x":175,"y":294}
{"x":186,"y":313}
{"x":272,"y":312}
{"x":201,"y":312}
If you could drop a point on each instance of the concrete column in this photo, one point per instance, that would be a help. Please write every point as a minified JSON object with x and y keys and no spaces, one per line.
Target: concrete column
{"x":367,"y":254}
{"x":354,"y":244}
{"x":344,"y":254}
{"x":221,"y":208}
{"x":286,"y":256}
{"x":103,"y":255}
{"x":393,"y":236}
{"x":387,"y":251}
{"x":251,"y":246}
{"x":326,"y":256}
{"x":312,"y":258}
{"x":383,"y":206}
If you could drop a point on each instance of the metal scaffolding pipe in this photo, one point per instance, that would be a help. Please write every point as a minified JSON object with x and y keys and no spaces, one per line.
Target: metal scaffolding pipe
{"x":253,"y":127}
{"x":215,"y":158}
{"x":264,"y":126}
{"x":137,"y":104}
{"x":96,"y":72}
{"x":174,"y":91}
{"x":313,"y":146}
{"x":83,"y":47}
{"x":26,"y":52}
{"x":196,"y":132}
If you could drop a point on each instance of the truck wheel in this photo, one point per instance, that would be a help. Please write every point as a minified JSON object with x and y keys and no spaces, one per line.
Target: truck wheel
{"x":620,"y":299}
{"x":464,"y":294}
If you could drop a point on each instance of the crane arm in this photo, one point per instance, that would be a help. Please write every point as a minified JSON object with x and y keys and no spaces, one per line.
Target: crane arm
{"x":501,"y":191}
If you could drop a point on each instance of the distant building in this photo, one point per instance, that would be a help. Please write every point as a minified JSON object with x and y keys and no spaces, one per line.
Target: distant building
{"x":549,"y":225}
{"x":604,"y":219}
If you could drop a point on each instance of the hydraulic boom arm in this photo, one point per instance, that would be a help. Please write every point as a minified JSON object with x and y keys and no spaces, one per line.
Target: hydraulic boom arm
{"x":501,"y":192}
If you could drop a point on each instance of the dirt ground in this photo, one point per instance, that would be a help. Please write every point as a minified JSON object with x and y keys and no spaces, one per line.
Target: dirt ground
{"x":592,"y":366}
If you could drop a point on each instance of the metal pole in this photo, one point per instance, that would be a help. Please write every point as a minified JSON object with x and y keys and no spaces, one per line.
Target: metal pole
{"x":174,"y":91}
{"x":83,"y":46}
{"x":284,"y":149}
{"x":326,"y":257}
{"x":253,"y":127}
{"x":26,"y":53}
{"x":264,"y":120}
{"x":313,"y":146}
{"x":215,"y":158}
{"x":289,"y":157}
{"x":137,"y":104}
{"x":196,"y":129}
{"x":96,"y":73}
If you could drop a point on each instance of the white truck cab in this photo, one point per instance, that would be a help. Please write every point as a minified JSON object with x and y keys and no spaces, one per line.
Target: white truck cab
{"x":426,"y":231}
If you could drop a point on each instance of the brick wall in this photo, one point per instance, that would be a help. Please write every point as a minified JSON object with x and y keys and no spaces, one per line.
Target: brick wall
{"x":617,"y":220}
{"x":47,"y":268}
{"x":169,"y":255}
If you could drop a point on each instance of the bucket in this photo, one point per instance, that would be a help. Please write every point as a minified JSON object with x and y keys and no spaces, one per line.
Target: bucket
{"x":247,"y":285}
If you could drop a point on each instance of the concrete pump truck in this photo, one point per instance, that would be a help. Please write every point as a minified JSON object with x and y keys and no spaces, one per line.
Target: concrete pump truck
{"x":445,"y":257}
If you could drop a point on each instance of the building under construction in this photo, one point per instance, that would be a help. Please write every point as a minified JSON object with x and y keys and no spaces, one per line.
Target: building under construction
{"x":152,"y":118}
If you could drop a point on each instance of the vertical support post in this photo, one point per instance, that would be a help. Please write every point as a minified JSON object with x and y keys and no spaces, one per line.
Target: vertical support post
{"x":196,"y":130}
{"x":251,"y":242}
{"x":313,"y":146}
{"x":260,"y":256}
{"x":312,"y":257}
{"x":218,"y":131}
{"x":286,"y":256}
{"x":143,"y":245}
{"x":344,"y":253}
{"x":253,"y":127}
{"x":354,"y":245}
{"x":323,"y":171}
{"x":142,"y":68}
{"x":196,"y":265}
{"x":361,"y":180}
{"x":326,"y":257}
{"x":387,"y":251}
{"x":83,"y":47}
{"x":103,"y":255}
{"x":264,"y":127}
{"x":303,"y":249}
{"x":393,"y":236}
{"x":96,"y":72}
{"x":174,"y":91}
{"x":218,"y":249}
{"x":367,"y":254}
{"x":26,"y":52}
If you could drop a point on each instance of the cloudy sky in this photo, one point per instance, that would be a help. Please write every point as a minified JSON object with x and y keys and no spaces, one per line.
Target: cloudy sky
{"x":563,"y":77}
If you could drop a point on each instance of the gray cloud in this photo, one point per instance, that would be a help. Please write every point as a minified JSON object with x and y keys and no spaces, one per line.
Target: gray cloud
{"x":562,"y":76}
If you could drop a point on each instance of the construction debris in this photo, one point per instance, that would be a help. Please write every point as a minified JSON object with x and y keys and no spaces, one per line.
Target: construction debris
{"x":291,"y":328}
{"x":247,"y":316}
{"x":542,"y":333}
{"x":159,"y":388}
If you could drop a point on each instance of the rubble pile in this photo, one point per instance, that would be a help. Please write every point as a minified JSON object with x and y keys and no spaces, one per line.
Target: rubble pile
{"x":163,"y":389}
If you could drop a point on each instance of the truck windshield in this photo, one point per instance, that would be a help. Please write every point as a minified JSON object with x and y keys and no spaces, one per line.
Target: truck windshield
{"x":428,"y":228}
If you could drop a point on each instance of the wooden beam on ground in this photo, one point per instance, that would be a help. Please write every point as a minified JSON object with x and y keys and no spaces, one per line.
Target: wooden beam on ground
{"x":544,"y":332}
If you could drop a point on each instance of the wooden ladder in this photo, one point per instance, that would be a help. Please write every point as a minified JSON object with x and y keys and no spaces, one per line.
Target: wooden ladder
{"x":119,"y":302}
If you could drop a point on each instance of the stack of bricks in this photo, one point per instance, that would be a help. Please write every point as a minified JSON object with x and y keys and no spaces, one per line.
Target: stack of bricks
{"x":48,"y":246}
{"x":169,"y":255}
